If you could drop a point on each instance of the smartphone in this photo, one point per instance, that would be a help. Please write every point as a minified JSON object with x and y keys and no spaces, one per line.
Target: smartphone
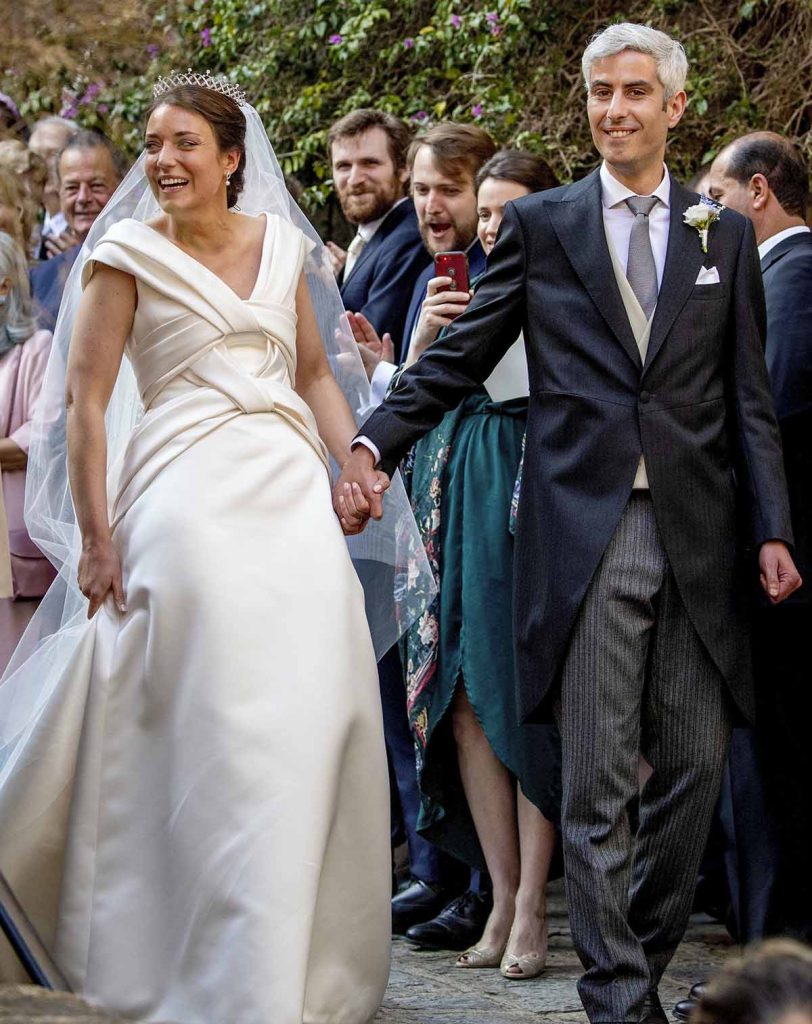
{"x":455,"y":266}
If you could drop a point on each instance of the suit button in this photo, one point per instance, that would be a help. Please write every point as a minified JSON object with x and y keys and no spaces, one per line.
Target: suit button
{"x":644,"y":396}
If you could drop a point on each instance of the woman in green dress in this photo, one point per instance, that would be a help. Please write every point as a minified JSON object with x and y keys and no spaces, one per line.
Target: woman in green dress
{"x":490,"y":787}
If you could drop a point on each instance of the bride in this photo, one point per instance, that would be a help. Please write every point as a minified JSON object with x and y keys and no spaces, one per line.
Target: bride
{"x":194,"y":794}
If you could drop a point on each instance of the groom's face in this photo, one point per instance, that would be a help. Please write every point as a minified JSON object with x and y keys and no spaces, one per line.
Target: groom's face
{"x":629,"y":115}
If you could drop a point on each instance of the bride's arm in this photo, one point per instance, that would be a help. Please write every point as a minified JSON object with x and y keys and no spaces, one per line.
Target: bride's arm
{"x":103,"y":323}
{"x":316,"y":384}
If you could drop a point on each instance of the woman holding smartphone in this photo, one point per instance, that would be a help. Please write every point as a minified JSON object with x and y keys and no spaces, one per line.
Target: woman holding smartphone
{"x":490,"y":788}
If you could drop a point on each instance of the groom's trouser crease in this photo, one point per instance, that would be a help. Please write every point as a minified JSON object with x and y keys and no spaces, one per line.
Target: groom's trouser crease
{"x":636,"y":677}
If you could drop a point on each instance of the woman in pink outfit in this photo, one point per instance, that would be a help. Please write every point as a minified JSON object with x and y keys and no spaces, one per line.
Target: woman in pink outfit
{"x":23,"y":357}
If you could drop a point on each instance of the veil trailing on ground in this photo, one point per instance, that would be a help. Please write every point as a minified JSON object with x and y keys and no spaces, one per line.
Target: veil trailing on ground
{"x":389,"y":556}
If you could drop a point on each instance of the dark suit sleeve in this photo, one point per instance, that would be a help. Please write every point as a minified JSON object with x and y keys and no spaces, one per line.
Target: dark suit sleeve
{"x":789,"y":338}
{"x":390,"y":290}
{"x":460,"y":361}
{"x":760,"y":456}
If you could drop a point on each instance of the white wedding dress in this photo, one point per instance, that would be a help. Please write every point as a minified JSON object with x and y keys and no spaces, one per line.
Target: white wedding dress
{"x":199,"y":826}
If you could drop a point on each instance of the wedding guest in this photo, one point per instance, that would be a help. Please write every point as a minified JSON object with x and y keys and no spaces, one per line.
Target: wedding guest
{"x":490,"y":787}
{"x":770,"y":984}
{"x":443,"y":164}
{"x":15,"y":214}
{"x":31,"y":171}
{"x":648,"y":388}
{"x":23,"y":356}
{"x":766,"y":793}
{"x":89,"y":169}
{"x":377,"y":273}
{"x":48,"y":136}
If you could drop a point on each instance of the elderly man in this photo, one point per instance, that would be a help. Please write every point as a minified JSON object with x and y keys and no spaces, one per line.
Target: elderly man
{"x":650,"y":436}
{"x":89,"y":169}
{"x":48,"y":136}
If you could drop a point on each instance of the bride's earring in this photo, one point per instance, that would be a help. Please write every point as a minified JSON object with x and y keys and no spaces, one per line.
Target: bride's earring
{"x":228,"y":178}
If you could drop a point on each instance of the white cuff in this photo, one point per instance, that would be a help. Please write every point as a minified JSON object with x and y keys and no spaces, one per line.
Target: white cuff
{"x":365,"y":441}
{"x":384,"y":372}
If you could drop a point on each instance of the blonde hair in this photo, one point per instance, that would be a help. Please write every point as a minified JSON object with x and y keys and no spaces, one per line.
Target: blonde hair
{"x":12,"y":194}
{"x":17,"y":314}
{"x":668,"y":54}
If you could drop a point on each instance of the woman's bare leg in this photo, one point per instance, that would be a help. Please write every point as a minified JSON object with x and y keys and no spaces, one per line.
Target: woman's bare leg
{"x":491,"y":799}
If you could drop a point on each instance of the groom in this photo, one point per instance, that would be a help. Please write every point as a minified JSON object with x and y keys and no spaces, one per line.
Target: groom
{"x":651,"y":446}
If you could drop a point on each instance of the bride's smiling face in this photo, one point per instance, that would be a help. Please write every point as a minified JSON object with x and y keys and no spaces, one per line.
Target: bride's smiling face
{"x":185,"y":166}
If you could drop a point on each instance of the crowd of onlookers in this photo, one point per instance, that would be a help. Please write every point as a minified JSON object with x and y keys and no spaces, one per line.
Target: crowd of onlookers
{"x":475,"y":797}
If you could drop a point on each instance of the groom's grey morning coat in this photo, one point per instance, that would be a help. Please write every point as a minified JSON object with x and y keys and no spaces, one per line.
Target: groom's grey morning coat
{"x":700,"y":410}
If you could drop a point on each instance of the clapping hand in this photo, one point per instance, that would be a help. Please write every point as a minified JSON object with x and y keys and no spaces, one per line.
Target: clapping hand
{"x":338,"y":257}
{"x":779,"y":577}
{"x":358,"y":493}
{"x":57,"y":244}
{"x":373,"y":348}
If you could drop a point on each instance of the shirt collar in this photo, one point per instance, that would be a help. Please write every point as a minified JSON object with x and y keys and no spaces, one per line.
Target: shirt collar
{"x":366,"y":231}
{"x":614,"y":192}
{"x":770,"y":243}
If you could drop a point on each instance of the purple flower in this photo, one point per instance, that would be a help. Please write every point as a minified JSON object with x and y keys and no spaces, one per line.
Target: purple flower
{"x":153,"y":50}
{"x":455,"y":20}
{"x":69,"y":110}
{"x":102,"y":108}
{"x":476,"y":110}
{"x":492,"y":17}
{"x":496,"y":30}
{"x":408,"y":43}
{"x":335,"y":39}
{"x":421,"y":115}
{"x":91,"y":92}
{"x":205,"y":36}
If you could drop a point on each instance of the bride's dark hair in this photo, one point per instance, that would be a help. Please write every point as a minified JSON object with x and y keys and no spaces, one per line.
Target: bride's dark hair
{"x":225,"y":117}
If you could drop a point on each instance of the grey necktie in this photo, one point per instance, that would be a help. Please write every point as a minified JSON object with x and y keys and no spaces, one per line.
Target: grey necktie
{"x":641,"y":269}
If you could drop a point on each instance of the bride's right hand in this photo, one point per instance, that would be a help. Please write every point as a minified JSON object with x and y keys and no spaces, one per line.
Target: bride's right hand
{"x":99,"y":573}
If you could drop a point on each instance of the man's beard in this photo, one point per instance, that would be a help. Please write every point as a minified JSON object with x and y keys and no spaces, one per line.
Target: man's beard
{"x":370,"y":204}
{"x":462,"y":236}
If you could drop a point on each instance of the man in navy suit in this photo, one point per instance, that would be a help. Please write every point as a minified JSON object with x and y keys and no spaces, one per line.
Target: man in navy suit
{"x":377,"y":273}
{"x":89,"y":169}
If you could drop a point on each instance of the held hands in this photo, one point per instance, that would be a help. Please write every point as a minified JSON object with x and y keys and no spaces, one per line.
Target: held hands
{"x":778,"y":575}
{"x":372,"y":347}
{"x":358,"y":493}
{"x":439,"y":309}
{"x":100,"y":573}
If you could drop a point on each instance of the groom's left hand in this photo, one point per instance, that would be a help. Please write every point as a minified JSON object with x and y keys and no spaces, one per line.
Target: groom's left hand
{"x":778,"y":576}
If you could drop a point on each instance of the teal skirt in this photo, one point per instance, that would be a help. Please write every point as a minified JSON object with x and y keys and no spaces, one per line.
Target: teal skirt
{"x":475,"y":643}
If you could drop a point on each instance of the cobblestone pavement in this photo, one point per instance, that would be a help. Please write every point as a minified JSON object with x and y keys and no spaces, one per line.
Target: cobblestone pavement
{"x":425,"y":988}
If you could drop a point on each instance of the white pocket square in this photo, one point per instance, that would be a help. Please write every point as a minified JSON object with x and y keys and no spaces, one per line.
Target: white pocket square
{"x":708,"y":275}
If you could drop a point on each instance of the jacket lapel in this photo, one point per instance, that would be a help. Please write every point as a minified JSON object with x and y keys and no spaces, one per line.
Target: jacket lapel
{"x":684,"y":257}
{"x":578,"y":222}
{"x":785,"y":246}
{"x":392,"y":220}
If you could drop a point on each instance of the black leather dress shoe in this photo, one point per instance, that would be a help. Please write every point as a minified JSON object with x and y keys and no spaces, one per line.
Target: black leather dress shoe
{"x":419,"y":901}
{"x":457,"y":926}
{"x":683,"y":1009}
{"x":653,"y":1012}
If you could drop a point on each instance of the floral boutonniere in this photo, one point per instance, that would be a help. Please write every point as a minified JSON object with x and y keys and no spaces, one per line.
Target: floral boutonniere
{"x":702,"y":216}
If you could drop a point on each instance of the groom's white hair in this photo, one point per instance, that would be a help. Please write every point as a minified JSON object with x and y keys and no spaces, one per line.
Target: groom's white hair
{"x":668,"y":54}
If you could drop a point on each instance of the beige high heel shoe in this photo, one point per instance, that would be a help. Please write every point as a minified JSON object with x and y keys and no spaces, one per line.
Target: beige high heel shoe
{"x":530,"y":965}
{"x":480,"y":956}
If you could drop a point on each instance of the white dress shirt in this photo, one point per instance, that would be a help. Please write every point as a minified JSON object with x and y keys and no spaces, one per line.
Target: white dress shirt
{"x":770,"y":243}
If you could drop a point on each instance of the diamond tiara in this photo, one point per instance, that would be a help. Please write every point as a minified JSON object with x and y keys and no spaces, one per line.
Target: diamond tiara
{"x":208,"y":81}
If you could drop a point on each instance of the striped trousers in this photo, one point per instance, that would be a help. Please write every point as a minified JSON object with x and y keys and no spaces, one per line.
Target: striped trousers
{"x":636,"y":679}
